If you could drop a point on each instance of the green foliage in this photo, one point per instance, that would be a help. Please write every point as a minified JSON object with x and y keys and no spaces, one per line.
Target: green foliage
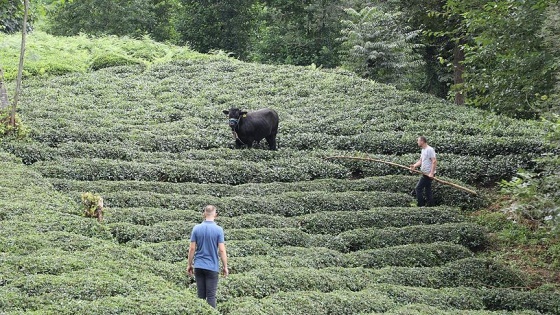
{"x":263,"y":283}
{"x":376,"y":46}
{"x":470,"y":235}
{"x":311,"y":302}
{"x":121,"y":18}
{"x":535,"y":196}
{"x":402,"y":300}
{"x":506,"y":74}
{"x":20,"y":131}
{"x":51,"y":55}
{"x":154,"y":143}
{"x":298,"y":33}
{"x":110,"y":60}
{"x":341,"y":221}
{"x":91,"y":203}
{"x":217,"y":25}
{"x":11,"y":16}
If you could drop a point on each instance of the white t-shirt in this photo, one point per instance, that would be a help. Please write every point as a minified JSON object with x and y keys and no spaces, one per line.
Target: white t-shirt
{"x":426,"y":156}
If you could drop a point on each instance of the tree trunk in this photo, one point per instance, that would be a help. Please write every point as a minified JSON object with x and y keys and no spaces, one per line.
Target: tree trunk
{"x":20,"y":69}
{"x":458,"y":69}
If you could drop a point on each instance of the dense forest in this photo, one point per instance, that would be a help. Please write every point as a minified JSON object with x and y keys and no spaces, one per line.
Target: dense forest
{"x":497,"y":55}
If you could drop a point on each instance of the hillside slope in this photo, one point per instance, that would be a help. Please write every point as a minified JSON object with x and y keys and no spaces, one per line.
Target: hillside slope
{"x":305,"y":235}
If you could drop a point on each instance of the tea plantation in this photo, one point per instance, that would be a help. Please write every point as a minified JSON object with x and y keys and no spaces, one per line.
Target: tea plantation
{"x":305,"y":235}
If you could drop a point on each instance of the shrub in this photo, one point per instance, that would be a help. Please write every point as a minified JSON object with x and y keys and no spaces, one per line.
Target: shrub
{"x":284,"y":204}
{"x":163,"y":302}
{"x":311,"y":303}
{"x":414,"y":255}
{"x":261,"y":283}
{"x":339,"y":221}
{"x":93,"y":205}
{"x":112,"y":60}
{"x":467,"y":234}
{"x":168,"y":231}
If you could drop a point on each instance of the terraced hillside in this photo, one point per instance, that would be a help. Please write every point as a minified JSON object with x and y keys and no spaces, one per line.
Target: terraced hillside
{"x":305,"y":235}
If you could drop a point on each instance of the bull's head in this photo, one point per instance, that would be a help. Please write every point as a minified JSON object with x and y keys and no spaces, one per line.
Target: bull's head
{"x":234,"y":114}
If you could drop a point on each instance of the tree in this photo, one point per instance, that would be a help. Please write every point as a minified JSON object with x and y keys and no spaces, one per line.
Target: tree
{"x":442,"y":37}
{"x":217,"y":25}
{"x":507,"y":68}
{"x":134,"y":18}
{"x":551,"y":37}
{"x":11,"y":16}
{"x":10,"y":120}
{"x":376,"y":46}
{"x":20,"y":69}
{"x":299,"y":32}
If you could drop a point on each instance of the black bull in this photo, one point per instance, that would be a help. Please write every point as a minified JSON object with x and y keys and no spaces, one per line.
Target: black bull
{"x":253,"y":126}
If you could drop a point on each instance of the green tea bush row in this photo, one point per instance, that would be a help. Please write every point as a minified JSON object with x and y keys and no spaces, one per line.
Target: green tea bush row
{"x":169,"y":251}
{"x":87,"y":284}
{"x":422,"y":309}
{"x":149,"y":216}
{"x":471,"y":272}
{"x":285,"y":204}
{"x":167,"y":231}
{"x":397,"y":143}
{"x":50,"y":261}
{"x":337,"y":222}
{"x":176,"y":251}
{"x":29,"y":243}
{"x":31,"y":152}
{"x":470,"y":169}
{"x":510,"y":300}
{"x":467,"y":234}
{"x":402,"y":300}
{"x":164,"y":302}
{"x":367,"y":301}
{"x":473,"y":298}
{"x":443,"y":194}
{"x":388,"y":143}
{"x":310,"y":303}
{"x":214,"y":171}
{"x":413,"y":255}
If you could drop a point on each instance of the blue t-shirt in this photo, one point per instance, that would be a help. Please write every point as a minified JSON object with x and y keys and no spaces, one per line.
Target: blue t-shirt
{"x":207,"y":236}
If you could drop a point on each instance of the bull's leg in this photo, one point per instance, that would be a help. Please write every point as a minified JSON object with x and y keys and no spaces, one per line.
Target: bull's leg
{"x":271,"y":140}
{"x":238,"y":144}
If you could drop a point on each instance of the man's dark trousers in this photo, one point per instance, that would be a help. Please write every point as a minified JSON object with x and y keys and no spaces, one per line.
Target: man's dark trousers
{"x":425,"y":183}
{"x":206,"y":285}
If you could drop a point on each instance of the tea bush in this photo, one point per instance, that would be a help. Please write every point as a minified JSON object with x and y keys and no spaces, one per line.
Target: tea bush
{"x":284,"y":204}
{"x":311,"y":303}
{"x":305,"y":235}
{"x":412,"y":255}
{"x":467,"y":234}
{"x":471,"y":271}
{"x":340,"y":221}
{"x":443,"y":194}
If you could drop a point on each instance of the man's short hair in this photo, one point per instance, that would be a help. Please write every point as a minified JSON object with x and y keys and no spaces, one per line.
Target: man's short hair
{"x":209,"y":209}
{"x":423,"y":139}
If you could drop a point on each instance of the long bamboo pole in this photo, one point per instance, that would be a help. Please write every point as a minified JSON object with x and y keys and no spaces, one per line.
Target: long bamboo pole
{"x":402,"y":166}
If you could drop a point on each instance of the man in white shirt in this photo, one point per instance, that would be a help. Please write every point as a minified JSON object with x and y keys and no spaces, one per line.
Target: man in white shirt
{"x":427,"y":163}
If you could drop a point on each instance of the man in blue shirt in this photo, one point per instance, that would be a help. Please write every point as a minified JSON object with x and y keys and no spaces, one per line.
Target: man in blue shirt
{"x":207,"y":242}
{"x":427,"y":163}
